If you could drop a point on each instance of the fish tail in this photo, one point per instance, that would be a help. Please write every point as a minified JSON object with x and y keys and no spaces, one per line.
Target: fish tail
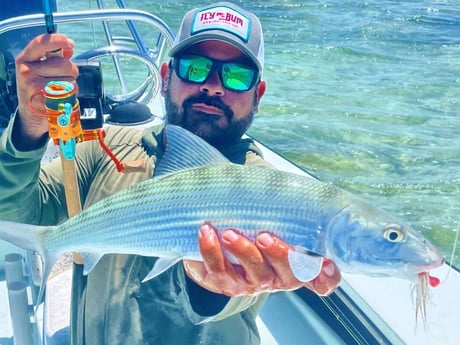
{"x":23,"y":235}
{"x":29,"y":237}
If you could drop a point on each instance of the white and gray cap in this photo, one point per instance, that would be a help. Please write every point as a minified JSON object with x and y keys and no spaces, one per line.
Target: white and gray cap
{"x":225,"y":22}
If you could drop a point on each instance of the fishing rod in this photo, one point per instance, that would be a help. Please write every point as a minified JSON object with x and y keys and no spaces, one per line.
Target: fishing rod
{"x":62,"y":108}
{"x":65,"y":128}
{"x":63,"y":116}
{"x":63,"y":112}
{"x":49,"y":21}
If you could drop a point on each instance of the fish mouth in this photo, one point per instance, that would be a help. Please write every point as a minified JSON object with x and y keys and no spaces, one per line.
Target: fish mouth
{"x":410,"y":266}
{"x":431,"y":266}
{"x":421,"y":269}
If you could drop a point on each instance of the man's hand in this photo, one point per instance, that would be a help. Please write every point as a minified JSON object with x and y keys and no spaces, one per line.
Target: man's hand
{"x":45,"y":58}
{"x":263,"y":265}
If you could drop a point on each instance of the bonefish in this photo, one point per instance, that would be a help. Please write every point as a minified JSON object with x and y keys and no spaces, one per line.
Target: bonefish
{"x":194,"y":184}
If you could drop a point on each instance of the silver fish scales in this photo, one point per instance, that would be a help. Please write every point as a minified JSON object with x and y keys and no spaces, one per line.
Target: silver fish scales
{"x":164,"y":214}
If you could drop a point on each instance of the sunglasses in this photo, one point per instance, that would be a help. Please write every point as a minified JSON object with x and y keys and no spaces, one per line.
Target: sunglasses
{"x":233,"y":75}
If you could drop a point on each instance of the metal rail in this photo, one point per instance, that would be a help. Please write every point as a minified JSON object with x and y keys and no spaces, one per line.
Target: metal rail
{"x":88,"y":15}
{"x":149,"y":88}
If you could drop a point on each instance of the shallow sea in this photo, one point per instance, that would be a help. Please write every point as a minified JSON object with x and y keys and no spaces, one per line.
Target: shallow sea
{"x":364,"y":94}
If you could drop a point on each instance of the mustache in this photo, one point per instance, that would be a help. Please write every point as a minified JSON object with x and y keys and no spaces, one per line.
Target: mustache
{"x":211,"y":101}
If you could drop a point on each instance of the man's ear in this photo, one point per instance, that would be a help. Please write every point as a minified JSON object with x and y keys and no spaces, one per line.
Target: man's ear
{"x":261,"y":87}
{"x":260,"y":91}
{"x":164,"y":73}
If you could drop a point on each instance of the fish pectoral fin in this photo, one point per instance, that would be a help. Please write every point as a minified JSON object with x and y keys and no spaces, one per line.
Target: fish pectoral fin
{"x":90,"y":260}
{"x":161,"y":265}
{"x":304,"y":266}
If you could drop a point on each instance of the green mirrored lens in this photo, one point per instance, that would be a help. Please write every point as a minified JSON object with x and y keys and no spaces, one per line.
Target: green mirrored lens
{"x":237,"y":77}
{"x":195,"y":69}
{"x":234,"y":76}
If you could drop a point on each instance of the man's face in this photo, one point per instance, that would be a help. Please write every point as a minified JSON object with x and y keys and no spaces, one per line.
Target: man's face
{"x":218,"y":115}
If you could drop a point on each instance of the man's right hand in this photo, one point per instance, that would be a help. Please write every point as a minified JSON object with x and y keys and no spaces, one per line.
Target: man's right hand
{"x":45,"y":58}
{"x":263,"y":265}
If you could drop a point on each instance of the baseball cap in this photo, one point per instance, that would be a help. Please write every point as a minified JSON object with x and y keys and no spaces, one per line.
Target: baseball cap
{"x":225,"y":22}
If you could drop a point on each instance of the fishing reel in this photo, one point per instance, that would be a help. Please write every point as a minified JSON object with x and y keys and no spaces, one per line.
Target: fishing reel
{"x":62,"y":108}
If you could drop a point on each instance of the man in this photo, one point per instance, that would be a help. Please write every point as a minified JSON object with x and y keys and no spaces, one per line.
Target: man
{"x":212,"y":87}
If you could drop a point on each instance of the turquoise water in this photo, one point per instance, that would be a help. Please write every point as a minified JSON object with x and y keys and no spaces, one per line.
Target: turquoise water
{"x":364,"y":94}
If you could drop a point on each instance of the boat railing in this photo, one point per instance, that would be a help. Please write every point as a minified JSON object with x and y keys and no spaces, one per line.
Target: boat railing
{"x":117,"y":46}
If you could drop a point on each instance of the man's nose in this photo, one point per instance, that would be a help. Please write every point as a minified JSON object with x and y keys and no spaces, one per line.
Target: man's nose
{"x":213,"y":85}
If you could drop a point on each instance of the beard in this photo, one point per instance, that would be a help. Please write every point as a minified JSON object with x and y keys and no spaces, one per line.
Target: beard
{"x":214,"y":129}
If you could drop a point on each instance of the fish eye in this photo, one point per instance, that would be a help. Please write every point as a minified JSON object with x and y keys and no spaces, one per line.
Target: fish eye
{"x":393,"y":233}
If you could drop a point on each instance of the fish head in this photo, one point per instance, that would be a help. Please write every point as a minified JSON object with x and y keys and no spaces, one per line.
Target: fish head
{"x":365,"y":240}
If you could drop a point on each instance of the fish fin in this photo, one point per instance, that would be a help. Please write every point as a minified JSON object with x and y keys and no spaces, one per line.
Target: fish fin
{"x":161,"y":265}
{"x":48,"y":263}
{"x":90,"y":260}
{"x":304,"y":266}
{"x":184,"y":150}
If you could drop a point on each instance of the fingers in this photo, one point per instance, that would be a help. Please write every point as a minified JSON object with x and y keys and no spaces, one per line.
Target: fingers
{"x":45,"y":58}
{"x":210,"y":251}
{"x":257,"y":270}
{"x":328,"y":279}
{"x":214,"y":273}
{"x":276,"y":253}
{"x":37,"y":63}
{"x":212,"y":254}
{"x":43,"y":44}
{"x":262,"y":266}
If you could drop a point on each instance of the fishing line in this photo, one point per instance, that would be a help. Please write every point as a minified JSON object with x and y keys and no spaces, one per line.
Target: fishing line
{"x":455,"y":243}
{"x":452,"y":255}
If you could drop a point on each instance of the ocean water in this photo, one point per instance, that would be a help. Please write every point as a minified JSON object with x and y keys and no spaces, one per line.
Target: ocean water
{"x":364,"y":94}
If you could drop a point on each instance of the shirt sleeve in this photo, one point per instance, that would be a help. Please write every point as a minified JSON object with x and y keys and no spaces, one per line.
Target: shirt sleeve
{"x":31,"y":192}
{"x":19,"y":172}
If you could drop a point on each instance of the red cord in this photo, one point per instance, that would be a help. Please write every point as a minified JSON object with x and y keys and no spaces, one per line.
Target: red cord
{"x":118,"y":164}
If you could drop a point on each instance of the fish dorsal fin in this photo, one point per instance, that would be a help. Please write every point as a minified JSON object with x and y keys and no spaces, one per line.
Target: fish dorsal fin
{"x":185,"y":150}
{"x":161,"y":265}
{"x":304,"y":266}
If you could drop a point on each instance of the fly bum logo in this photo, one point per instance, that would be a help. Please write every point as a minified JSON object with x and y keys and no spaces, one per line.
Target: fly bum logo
{"x":222,"y":18}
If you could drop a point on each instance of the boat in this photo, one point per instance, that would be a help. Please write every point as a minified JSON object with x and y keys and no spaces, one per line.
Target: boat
{"x":363,"y":310}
